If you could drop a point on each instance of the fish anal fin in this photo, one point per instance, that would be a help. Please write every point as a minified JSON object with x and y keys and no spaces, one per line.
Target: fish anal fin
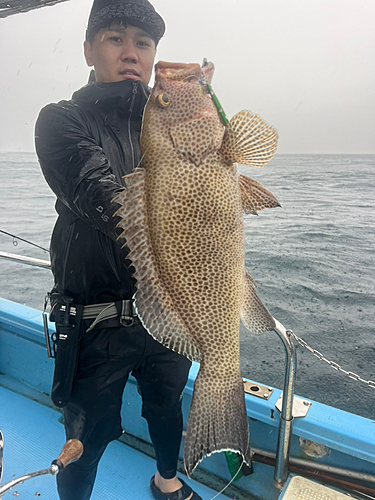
{"x":217,"y":420}
{"x":254,"y":315}
{"x":197,"y":138}
{"x":153,"y":302}
{"x":249,"y":140}
{"x":254,"y":196}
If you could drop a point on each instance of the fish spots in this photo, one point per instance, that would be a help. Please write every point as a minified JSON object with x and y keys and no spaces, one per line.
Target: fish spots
{"x":169,"y":197}
{"x":182,"y":220}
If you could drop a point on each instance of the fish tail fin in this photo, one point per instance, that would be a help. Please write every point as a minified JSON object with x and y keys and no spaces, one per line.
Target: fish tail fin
{"x":217,"y":421}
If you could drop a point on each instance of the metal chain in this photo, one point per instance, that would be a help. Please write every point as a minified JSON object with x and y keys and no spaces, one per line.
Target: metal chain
{"x":334,"y":365}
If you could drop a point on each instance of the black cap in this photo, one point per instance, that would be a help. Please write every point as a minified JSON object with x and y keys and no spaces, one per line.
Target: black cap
{"x":139,"y":13}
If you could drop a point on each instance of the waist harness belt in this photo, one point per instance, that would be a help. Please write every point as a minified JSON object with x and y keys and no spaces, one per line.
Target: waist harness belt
{"x":124,"y":309}
{"x":66,"y":313}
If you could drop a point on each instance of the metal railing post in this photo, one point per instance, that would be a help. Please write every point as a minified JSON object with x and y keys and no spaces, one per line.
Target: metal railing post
{"x":286,"y":416}
{"x":23,"y":259}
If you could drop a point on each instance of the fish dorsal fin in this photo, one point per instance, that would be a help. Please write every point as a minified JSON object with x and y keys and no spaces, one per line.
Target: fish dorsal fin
{"x":254,"y":196}
{"x":197,"y":138}
{"x":249,"y":140}
{"x":254,"y":315}
{"x":153,"y":303}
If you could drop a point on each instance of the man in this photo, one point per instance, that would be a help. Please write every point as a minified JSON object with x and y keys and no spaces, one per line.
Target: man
{"x":85,"y":146}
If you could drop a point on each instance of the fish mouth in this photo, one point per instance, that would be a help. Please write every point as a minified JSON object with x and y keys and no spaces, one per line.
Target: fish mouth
{"x":203,"y":114}
{"x":177,"y":71}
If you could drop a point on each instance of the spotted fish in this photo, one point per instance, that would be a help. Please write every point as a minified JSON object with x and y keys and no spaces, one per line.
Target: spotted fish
{"x":182,"y":218}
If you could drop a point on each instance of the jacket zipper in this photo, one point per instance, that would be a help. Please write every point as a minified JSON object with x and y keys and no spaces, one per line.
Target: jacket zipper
{"x":134,"y":91}
{"x":109,"y":251}
{"x":110,"y":258}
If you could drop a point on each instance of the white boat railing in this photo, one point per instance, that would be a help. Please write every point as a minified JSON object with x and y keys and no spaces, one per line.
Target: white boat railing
{"x":286,"y":416}
{"x":23,"y":259}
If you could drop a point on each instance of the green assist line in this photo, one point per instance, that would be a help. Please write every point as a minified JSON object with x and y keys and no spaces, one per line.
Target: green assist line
{"x":220,"y":110}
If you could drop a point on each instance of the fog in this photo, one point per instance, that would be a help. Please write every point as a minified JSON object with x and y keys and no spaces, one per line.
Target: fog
{"x":306,"y":67}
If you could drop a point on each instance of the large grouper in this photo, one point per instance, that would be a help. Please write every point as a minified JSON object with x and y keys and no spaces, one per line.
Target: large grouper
{"x":182,"y":218}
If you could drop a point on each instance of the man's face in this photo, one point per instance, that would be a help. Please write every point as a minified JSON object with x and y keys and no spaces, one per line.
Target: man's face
{"x":121,"y":53}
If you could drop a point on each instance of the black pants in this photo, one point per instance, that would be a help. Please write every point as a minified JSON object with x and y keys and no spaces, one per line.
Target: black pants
{"x":107,"y":357}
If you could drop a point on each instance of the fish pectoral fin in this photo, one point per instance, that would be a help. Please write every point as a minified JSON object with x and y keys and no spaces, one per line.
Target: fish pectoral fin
{"x":249,"y":140}
{"x":153,"y":303}
{"x":254,"y":315}
{"x":254,"y":196}
{"x":197,"y":138}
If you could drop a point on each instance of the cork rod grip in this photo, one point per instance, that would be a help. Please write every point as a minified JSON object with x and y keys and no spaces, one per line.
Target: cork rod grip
{"x":72,"y":451}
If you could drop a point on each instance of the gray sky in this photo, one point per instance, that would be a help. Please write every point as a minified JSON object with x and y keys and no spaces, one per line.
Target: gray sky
{"x":305,"y":66}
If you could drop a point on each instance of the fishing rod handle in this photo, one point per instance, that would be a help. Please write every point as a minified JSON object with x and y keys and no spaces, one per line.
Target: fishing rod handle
{"x":72,"y":451}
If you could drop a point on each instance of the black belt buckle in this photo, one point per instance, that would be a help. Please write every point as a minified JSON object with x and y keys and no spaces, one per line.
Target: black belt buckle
{"x":126,"y":312}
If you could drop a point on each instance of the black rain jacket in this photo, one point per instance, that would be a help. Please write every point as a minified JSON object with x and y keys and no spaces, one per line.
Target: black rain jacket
{"x":84,"y":147}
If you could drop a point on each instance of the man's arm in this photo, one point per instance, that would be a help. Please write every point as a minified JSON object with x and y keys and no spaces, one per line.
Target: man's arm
{"x":75,"y":167}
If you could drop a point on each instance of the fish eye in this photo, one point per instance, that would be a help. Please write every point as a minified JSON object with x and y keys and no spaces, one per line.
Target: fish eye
{"x":163,"y":100}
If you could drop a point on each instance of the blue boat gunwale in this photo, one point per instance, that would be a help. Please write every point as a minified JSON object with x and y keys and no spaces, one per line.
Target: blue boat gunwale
{"x":336,"y":429}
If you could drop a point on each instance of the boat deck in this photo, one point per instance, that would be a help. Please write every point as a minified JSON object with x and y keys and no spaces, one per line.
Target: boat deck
{"x":34,"y":436}
{"x":326,"y":437}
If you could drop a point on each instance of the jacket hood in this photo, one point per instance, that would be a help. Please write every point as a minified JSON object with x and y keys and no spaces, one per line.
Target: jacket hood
{"x":114,"y":95}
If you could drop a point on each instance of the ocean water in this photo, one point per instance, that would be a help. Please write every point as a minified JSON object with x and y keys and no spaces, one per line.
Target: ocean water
{"x":312,"y":259}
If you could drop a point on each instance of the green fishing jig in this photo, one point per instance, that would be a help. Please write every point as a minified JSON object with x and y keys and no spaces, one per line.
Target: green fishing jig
{"x":203,"y":81}
{"x":219,"y":108}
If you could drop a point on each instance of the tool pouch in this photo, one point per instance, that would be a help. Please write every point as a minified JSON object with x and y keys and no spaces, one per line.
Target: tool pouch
{"x":69,"y":330}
